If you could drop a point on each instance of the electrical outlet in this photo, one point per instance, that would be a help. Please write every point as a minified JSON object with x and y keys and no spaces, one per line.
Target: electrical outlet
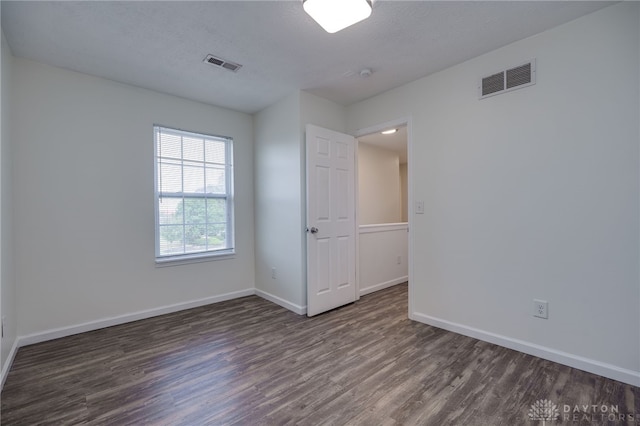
{"x":540,"y":308}
{"x":419,"y":207}
{"x":399,"y":260}
{"x":273,"y":273}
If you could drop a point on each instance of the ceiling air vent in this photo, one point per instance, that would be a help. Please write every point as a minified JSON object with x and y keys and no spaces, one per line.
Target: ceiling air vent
{"x":505,"y":81}
{"x":218,"y":62}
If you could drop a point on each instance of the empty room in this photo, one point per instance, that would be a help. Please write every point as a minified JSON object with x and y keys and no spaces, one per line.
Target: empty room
{"x":320,"y":212}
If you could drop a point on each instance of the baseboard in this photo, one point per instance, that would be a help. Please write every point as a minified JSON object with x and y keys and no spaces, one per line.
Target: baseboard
{"x":300,"y":310}
{"x":7,"y":364}
{"x":383,"y":285}
{"x":57,"y":333}
{"x":592,"y":366}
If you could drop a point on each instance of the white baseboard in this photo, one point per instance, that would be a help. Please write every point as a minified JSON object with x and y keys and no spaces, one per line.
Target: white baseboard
{"x":300,"y":310}
{"x":383,"y":285}
{"x":7,"y":364}
{"x":592,"y":366}
{"x":56,"y":333}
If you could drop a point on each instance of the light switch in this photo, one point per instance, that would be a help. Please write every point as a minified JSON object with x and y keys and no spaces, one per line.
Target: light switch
{"x":419,"y":207}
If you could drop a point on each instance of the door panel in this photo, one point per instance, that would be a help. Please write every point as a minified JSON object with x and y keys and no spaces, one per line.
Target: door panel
{"x":331,"y":267}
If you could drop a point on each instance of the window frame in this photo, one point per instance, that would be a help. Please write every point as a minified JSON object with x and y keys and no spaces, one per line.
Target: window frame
{"x":204,"y":255}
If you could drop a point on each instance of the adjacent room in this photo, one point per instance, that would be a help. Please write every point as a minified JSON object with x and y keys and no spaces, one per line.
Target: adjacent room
{"x":240,"y":212}
{"x":383,"y":237}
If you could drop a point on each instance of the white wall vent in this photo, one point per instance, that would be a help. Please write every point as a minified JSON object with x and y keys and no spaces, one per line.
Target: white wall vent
{"x":505,"y":81}
{"x":222,"y":63}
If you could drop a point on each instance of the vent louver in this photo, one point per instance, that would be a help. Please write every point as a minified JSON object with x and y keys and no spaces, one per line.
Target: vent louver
{"x":519,"y":76}
{"x":492,"y":84}
{"x":508,"y":80}
{"x":222,"y":63}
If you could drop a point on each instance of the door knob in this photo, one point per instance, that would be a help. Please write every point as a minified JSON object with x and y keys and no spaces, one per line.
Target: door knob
{"x":314,"y":230}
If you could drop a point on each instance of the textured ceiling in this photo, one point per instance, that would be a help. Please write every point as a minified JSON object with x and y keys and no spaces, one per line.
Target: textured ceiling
{"x":161,"y":45}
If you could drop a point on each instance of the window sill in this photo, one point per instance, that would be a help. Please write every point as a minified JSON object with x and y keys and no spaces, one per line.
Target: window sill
{"x":186,"y":259}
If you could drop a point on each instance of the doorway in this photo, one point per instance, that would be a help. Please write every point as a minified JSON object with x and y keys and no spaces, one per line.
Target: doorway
{"x":329,"y":157}
{"x":382,"y":204}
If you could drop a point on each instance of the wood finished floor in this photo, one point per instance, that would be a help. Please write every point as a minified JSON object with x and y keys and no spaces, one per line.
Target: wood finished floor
{"x":250,"y":362}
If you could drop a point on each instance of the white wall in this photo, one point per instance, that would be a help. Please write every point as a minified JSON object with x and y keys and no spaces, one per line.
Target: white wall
{"x":83,"y":198}
{"x":382,"y":256}
{"x":532,"y":194}
{"x":278,"y":217}
{"x":321,"y":112}
{"x":280,"y":193}
{"x":379,"y":188}
{"x":7,"y":275}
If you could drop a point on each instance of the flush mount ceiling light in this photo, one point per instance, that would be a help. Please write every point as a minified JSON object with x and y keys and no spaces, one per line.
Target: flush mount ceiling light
{"x":389,"y":132}
{"x":335,"y":15}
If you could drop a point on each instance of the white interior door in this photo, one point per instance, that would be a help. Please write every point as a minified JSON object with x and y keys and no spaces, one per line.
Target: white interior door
{"x":331,"y":233}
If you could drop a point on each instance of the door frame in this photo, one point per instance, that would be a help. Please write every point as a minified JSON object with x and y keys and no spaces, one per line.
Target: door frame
{"x":403,"y":121}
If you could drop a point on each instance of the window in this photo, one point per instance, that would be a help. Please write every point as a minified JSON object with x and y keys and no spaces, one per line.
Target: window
{"x":194,"y":195}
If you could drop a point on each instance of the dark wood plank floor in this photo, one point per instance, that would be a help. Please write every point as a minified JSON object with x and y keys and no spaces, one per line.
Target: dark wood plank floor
{"x":249,"y":362}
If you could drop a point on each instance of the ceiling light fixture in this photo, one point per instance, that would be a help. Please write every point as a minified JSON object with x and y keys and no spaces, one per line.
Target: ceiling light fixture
{"x":389,"y":132}
{"x":335,"y":15}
